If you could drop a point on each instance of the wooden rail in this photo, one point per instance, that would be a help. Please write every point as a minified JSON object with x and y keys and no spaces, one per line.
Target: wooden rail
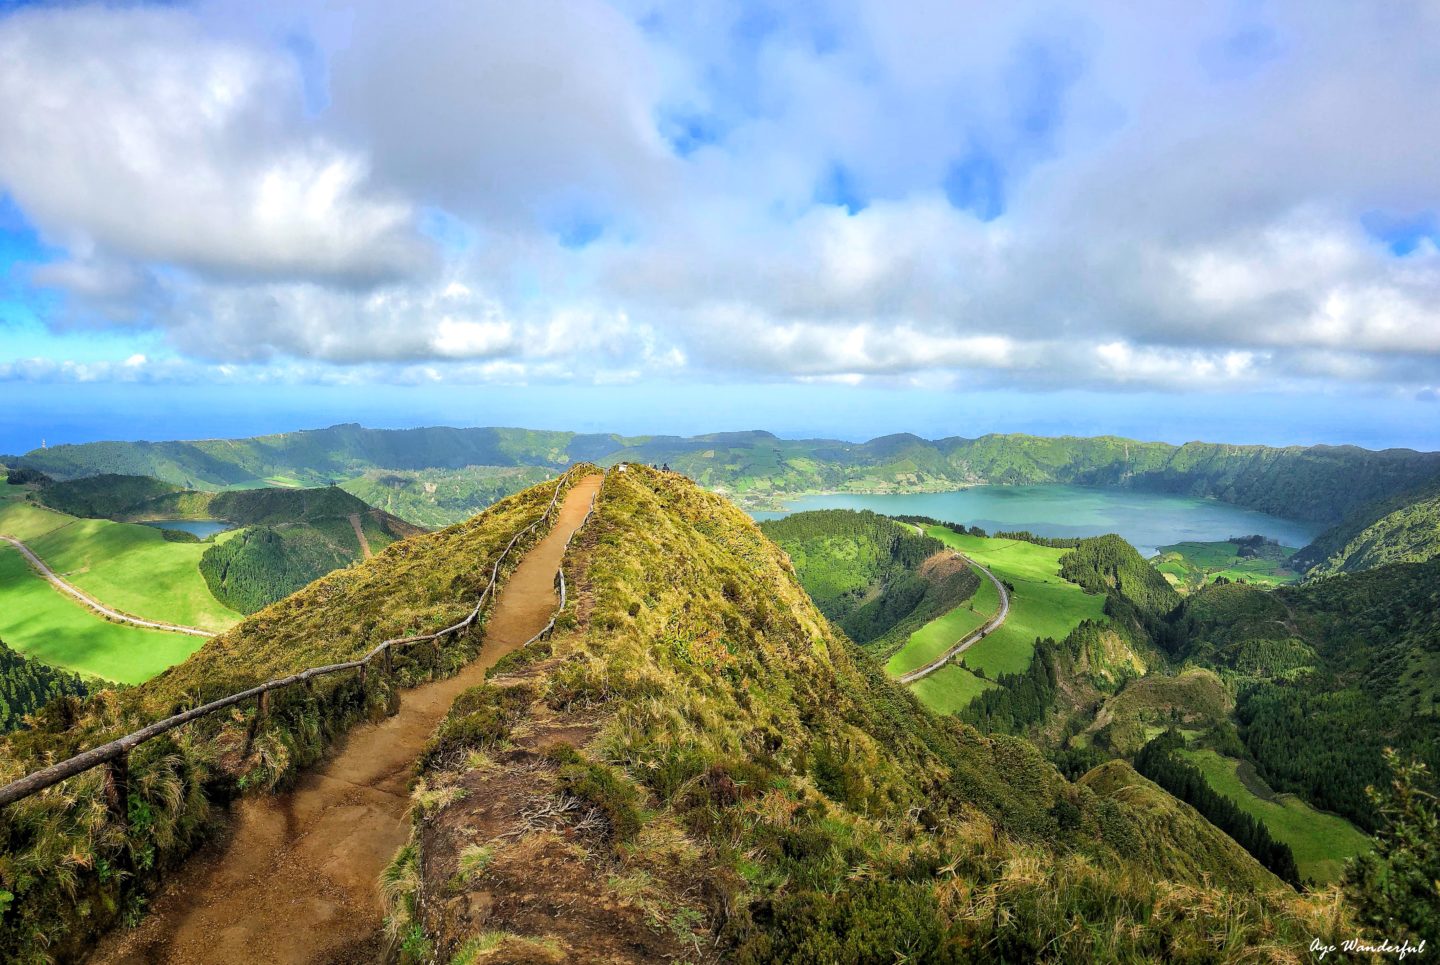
{"x":115,"y":755}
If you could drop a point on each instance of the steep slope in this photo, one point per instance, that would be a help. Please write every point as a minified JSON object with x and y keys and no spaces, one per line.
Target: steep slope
{"x":878,"y":579}
{"x":1328,"y":674}
{"x":1321,"y":483}
{"x":28,"y":685}
{"x":61,"y":857}
{"x":698,"y":765}
{"x":1403,"y":529}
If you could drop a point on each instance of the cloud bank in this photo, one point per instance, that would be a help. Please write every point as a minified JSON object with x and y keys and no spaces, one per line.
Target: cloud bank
{"x":1190,"y":197}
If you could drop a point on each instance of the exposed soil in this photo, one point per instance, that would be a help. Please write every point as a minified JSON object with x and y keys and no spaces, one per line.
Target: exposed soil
{"x":360,"y":535}
{"x":296,"y":879}
{"x":549,"y":858}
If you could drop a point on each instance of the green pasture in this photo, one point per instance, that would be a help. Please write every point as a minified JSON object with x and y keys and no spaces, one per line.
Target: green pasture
{"x":937,"y":636}
{"x":41,"y":622}
{"x":1042,"y":604}
{"x":1192,"y":565}
{"x":126,"y":566}
{"x":949,"y":689}
{"x":1321,"y":842}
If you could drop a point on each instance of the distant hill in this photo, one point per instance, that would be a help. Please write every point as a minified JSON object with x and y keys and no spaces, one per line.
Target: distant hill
{"x":876,"y":578}
{"x":1318,"y":483}
{"x":1400,"y":529}
{"x":292,"y":536}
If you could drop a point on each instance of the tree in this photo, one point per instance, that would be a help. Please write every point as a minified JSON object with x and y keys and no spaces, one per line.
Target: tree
{"x":1396,"y":888}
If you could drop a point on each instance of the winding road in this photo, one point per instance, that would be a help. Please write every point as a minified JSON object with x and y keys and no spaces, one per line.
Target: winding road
{"x":971,"y":639}
{"x":94,"y":604}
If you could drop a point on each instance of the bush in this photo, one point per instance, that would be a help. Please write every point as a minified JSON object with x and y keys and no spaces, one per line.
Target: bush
{"x":601,"y":788}
{"x":480,"y":718}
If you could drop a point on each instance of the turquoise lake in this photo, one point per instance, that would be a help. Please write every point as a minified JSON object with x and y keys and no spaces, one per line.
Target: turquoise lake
{"x":1146,"y":520}
{"x":203,"y":528}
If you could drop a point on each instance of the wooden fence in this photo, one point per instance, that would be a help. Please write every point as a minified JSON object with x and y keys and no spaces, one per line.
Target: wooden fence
{"x":115,"y":755}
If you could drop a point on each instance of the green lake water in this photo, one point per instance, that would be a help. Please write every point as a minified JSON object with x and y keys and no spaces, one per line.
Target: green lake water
{"x":1146,"y":520}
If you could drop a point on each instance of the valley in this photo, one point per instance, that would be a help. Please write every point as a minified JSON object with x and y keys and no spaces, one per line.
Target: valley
{"x":1191,"y":666}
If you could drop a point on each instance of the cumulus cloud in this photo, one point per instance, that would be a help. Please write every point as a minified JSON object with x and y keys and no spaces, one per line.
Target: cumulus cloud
{"x":1050,"y":195}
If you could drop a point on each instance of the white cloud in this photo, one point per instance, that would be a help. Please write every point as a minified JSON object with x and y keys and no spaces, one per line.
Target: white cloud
{"x":1174,"y":209}
{"x":130,"y":132}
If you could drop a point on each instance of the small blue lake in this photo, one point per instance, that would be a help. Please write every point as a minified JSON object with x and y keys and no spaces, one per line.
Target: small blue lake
{"x":1146,"y":520}
{"x":203,"y":528}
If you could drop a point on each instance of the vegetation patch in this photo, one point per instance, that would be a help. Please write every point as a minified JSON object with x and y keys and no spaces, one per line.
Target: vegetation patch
{"x":51,"y":627}
{"x":1321,"y":843}
{"x":1042,"y":603}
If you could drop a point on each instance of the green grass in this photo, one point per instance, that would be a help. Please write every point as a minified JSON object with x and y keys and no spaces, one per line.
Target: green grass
{"x":130,"y":567}
{"x":949,"y":689}
{"x":937,"y":636}
{"x":1042,"y":605}
{"x":1191,"y":565}
{"x":41,"y":622}
{"x":136,"y":570}
{"x":1321,"y":842}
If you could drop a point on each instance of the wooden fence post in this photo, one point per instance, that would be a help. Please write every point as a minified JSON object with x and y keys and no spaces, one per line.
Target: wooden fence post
{"x":117,"y":789}
{"x":262,"y":705}
{"x":389,"y":662}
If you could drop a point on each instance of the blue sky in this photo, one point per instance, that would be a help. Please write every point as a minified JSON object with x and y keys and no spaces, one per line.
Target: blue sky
{"x":1186,"y":221}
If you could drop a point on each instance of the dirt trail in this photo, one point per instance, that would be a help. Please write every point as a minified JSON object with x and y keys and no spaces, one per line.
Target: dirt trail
{"x":296,"y":880}
{"x":360,"y":535}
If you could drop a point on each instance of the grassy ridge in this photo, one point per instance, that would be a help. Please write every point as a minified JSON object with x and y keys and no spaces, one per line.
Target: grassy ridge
{"x":58,"y":851}
{"x":755,"y":772}
{"x":1320,"y":842}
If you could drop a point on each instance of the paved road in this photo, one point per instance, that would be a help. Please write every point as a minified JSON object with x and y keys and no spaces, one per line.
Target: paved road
{"x":93,"y":603}
{"x":975,"y":637}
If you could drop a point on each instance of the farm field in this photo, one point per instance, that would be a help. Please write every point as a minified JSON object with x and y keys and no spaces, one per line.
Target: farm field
{"x":949,"y":689}
{"x":129,"y":567}
{"x":1321,"y":842}
{"x":1042,"y":604}
{"x":1189,"y":566}
{"x":937,"y":636}
{"x":41,"y":622}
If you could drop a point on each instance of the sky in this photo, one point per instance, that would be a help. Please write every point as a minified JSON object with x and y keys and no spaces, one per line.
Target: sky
{"x":1167,"y":220}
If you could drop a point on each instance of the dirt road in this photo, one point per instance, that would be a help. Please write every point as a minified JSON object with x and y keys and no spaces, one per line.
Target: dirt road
{"x":94,"y":604}
{"x":296,"y":881}
{"x":991,"y":625}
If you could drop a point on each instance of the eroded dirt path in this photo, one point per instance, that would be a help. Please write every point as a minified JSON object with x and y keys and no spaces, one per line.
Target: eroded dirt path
{"x":296,"y":880}
{"x":360,"y":535}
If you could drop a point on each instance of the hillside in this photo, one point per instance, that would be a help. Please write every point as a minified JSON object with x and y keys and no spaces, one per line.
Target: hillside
{"x":1328,"y":674}
{"x":58,"y":854}
{"x":722,"y":771}
{"x":878,"y":579}
{"x":27,"y":685}
{"x":440,"y":497}
{"x":1319,"y":483}
{"x":1402,"y":529}
{"x":292,"y":536}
